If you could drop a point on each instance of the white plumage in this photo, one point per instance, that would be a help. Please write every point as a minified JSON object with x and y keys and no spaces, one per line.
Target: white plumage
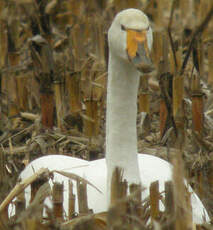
{"x":121,"y":135}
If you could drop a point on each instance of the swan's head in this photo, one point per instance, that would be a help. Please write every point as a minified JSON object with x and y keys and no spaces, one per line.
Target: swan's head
{"x":130,"y":38}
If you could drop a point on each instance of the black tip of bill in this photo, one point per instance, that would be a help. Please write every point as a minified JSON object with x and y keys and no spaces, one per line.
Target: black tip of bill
{"x":142,"y":61}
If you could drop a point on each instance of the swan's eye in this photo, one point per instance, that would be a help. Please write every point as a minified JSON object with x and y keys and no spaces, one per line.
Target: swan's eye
{"x":123,"y":27}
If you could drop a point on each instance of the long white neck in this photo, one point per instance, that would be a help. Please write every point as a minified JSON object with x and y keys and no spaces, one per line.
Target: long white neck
{"x":121,"y":134}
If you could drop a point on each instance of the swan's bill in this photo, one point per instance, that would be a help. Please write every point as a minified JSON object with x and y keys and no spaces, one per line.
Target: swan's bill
{"x":138,"y":51}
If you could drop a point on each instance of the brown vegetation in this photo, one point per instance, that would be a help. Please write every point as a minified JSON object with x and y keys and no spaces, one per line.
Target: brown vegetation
{"x":52,"y":100}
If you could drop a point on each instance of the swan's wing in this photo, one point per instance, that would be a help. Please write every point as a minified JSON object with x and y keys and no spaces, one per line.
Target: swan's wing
{"x":154,"y":168}
{"x":53,"y":162}
{"x":94,"y":172}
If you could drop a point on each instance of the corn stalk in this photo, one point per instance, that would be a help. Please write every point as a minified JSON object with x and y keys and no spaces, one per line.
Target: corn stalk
{"x":58,"y":199}
{"x":183,"y":209}
{"x":210,"y":63}
{"x":154,"y":200}
{"x":82,"y":197}
{"x":72,"y":197}
{"x":43,"y":63}
{"x":144,"y":95}
{"x":197,"y":105}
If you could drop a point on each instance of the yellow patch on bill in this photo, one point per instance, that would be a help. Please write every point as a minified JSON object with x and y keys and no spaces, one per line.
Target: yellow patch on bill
{"x":133,"y":38}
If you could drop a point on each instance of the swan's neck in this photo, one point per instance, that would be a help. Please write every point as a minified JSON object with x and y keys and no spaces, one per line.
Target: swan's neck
{"x":121,"y":135}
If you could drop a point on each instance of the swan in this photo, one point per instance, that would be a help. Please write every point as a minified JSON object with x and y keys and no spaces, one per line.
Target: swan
{"x":130,"y":41}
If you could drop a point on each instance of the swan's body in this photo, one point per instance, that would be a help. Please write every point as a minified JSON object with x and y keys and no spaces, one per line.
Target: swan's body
{"x":151,"y":168}
{"x":121,"y":136}
{"x":96,"y":173}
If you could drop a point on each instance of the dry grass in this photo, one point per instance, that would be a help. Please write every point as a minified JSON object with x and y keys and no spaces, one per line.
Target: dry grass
{"x":53,"y":90}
